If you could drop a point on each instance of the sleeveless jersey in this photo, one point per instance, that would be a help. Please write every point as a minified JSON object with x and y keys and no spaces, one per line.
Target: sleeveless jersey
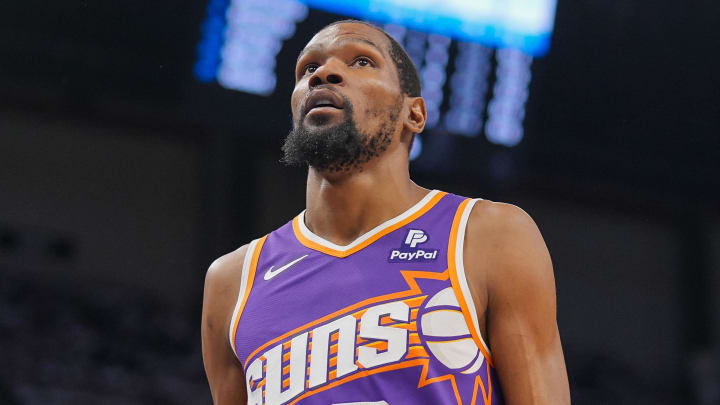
{"x":387,"y":319}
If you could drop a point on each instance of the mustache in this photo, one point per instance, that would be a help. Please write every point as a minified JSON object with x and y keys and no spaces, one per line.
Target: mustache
{"x":330,"y":87}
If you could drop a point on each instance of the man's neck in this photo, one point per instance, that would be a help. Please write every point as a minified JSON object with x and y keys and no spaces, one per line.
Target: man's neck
{"x":342,"y":208}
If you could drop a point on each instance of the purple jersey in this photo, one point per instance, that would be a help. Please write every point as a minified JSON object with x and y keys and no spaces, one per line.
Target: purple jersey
{"x":387,"y":319}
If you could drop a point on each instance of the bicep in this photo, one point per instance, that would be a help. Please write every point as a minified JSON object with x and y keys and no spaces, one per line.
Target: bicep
{"x":224,"y":371}
{"x":522,"y":325}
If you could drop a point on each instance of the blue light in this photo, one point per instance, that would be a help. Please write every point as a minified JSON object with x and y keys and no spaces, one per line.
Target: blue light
{"x":433,"y":76}
{"x":468,"y":86}
{"x":506,"y":110}
{"x":208,"y":49}
{"x":521,"y":24}
{"x":241,"y":39}
{"x":396,"y":31}
{"x":416,"y":148}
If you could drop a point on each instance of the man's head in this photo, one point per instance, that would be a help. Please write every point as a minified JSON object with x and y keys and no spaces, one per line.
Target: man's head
{"x":356,"y":96}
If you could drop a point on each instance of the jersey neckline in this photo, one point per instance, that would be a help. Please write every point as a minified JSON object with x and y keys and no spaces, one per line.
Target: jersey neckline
{"x":310,"y":240}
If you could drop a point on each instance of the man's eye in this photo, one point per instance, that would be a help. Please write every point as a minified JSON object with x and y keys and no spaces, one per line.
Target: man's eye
{"x":310,"y":69}
{"x":362,"y":61}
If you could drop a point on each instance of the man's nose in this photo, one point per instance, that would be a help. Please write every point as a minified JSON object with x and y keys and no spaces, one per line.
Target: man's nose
{"x":329,"y":73}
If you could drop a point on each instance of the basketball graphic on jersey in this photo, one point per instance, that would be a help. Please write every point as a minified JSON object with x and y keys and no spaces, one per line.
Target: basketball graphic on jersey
{"x":446,"y":334}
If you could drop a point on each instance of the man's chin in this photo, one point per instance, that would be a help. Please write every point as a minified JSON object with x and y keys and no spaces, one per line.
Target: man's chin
{"x":322,"y":121}
{"x":327,"y":146}
{"x":335,"y":173}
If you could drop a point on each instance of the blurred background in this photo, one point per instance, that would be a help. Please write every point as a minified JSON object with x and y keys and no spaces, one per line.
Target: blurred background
{"x":141,"y":140}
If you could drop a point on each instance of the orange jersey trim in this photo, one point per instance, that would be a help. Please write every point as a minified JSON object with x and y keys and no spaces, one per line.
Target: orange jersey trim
{"x":452,"y":269}
{"x":250,"y":280}
{"x":379,"y":234}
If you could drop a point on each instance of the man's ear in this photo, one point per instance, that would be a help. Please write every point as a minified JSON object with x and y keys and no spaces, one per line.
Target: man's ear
{"x":417,"y":115}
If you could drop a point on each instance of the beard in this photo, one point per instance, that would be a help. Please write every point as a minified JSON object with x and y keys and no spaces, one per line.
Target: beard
{"x":339,"y":148}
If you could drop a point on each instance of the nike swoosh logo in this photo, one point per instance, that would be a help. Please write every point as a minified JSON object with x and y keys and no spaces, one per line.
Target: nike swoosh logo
{"x":270,"y":273}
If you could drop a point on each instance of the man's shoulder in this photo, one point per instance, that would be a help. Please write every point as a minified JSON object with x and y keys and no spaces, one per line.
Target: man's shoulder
{"x":227,"y":267}
{"x":499,"y":219}
{"x":497,"y":231}
{"x":504,"y":237}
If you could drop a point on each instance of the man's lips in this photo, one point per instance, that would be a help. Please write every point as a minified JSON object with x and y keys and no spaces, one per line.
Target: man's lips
{"x":323,"y":99}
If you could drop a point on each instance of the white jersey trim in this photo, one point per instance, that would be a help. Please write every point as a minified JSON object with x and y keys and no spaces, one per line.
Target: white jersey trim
{"x":326,"y":243}
{"x":460,"y":269}
{"x":241,"y":293}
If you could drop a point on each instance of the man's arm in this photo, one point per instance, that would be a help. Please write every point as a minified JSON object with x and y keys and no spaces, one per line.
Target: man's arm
{"x":224,"y":371}
{"x":509,"y":262}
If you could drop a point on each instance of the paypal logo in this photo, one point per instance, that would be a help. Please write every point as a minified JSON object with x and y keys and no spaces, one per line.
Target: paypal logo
{"x":415,"y":236}
{"x":409,"y":250}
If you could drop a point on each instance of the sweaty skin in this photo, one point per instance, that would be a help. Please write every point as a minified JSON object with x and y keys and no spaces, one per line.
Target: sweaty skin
{"x":506,"y":261}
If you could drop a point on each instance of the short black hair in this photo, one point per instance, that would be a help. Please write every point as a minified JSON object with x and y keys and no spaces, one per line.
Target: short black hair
{"x":407,"y":72}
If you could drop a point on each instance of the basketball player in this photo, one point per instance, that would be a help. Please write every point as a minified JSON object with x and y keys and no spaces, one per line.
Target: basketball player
{"x":381,"y":291}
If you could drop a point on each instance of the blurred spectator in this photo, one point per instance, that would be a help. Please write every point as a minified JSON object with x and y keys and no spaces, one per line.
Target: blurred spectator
{"x":103,"y":344}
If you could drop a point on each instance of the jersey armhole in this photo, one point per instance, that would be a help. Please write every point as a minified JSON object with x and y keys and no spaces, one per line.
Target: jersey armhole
{"x":458,"y":279}
{"x":246,"y":282}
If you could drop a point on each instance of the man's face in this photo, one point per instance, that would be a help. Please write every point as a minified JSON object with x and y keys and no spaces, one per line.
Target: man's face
{"x":346,"y":99}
